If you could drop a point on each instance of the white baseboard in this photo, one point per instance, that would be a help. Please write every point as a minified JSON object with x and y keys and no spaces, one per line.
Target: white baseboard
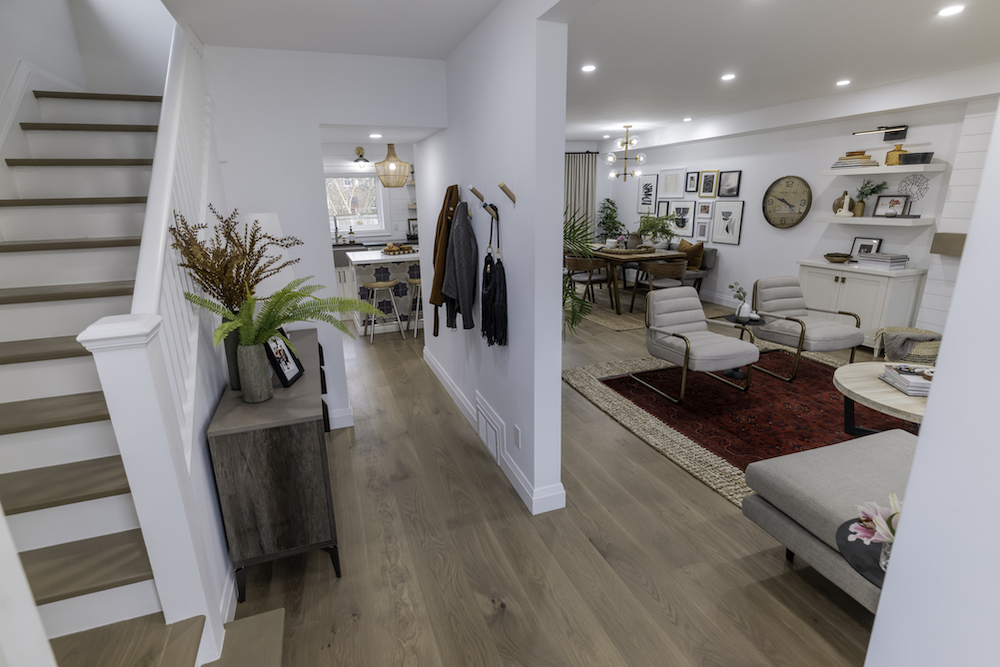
{"x":464,"y":404}
{"x":342,"y":418}
{"x":543,"y":499}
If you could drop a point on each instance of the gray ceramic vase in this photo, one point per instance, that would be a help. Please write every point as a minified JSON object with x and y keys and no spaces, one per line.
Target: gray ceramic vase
{"x":232,"y":343}
{"x":255,"y":373}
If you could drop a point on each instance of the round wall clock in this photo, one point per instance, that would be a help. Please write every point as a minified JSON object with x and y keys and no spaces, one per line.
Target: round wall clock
{"x":787,"y":202}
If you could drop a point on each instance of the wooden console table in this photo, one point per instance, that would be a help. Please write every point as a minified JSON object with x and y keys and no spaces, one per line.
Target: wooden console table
{"x":271,"y":469}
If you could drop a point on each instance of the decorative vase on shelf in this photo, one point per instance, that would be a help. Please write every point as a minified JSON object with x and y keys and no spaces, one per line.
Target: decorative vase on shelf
{"x":859,"y":209}
{"x":743,"y":312}
{"x":892,"y":157}
{"x":255,"y":373}
{"x":883,"y":557}
{"x":843,"y":206}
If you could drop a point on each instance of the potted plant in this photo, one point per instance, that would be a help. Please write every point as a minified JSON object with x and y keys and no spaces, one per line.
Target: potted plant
{"x":608,"y":223}
{"x":867,"y":189}
{"x":740,"y":294}
{"x":658,"y":228}
{"x":576,"y":241}
{"x":292,"y":303}
{"x":229,"y":264}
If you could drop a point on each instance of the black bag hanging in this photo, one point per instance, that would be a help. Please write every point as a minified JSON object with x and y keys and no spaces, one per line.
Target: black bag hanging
{"x":494,"y":301}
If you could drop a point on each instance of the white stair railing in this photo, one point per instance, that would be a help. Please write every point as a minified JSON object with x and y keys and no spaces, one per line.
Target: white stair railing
{"x":162,"y":377}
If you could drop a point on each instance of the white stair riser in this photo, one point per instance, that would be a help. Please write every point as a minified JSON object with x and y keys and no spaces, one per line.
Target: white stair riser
{"x":76,"y":521}
{"x":55,"y":446}
{"x":56,"y":110}
{"x":57,"y":144}
{"x":47,"y":182}
{"x":52,"y":377}
{"x":27,"y":223}
{"x":20,"y":321}
{"x":67,"y":267}
{"x":104,"y":608}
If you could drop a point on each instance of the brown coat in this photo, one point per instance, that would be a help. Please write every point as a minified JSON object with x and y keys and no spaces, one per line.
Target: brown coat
{"x":441,"y":236}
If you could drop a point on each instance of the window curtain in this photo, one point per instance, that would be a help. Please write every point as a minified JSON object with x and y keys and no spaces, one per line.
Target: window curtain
{"x":579,"y":189}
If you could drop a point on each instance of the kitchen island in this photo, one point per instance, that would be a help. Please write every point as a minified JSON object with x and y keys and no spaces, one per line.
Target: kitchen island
{"x":373,"y":265}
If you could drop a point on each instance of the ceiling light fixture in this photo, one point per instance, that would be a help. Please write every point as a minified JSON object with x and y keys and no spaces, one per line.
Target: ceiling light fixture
{"x":892,"y":133}
{"x":607,"y":136}
{"x":728,"y":77}
{"x":687,"y":120}
{"x":611,"y":158}
{"x":392,"y":171}
{"x":361,"y":161}
{"x":374,"y":136}
{"x":845,"y":82}
{"x":589,"y":68}
{"x":951,"y":11}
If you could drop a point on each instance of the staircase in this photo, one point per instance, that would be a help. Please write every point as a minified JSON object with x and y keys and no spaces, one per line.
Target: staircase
{"x":68,"y":251}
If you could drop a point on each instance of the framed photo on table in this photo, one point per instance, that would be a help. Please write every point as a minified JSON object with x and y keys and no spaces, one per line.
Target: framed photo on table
{"x":728,"y":222}
{"x":671,"y":184}
{"x":709,"y":183}
{"x":886,"y":203}
{"x":692,"y":182}
{"x":864,"y":246}
{"x":284,"y":362}
{"x":647,"y":195}
{"x":684,"y":212}
{"x":729,"y":183}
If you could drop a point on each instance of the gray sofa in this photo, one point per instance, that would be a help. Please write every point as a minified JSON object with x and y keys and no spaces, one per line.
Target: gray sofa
{"x":801,"y":499}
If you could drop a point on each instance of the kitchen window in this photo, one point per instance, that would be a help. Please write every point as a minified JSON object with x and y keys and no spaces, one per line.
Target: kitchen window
{"x":355,"y":201}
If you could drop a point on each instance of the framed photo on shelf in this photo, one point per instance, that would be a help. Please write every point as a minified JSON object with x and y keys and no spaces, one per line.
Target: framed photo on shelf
{"x":671,"y":184}
{"x":684,"y":211}
{"x":864,"y":246}
{"x":647,"y":195}
{"x":692,"y":182}
{"x":704,"y":210}
{"x":728,"y":222}
{"x":885,"y":203}
{"x":709,"y":183}
{"x":411,"y":225}
{"x":286,"y":365}
{"x":729,"y":183}
{"x":702,"y":226}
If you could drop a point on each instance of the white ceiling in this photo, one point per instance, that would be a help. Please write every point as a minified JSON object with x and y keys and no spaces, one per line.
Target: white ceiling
{"x":347,"y":134}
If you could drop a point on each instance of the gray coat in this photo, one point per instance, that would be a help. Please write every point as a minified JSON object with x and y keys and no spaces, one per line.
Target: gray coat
{"x":459,"y":286}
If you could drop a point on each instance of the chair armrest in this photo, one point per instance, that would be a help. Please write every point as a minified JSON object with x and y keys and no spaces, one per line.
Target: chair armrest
{"x":687,"y":343}
{"x":733,"y":325}
{"x":856,"y":317}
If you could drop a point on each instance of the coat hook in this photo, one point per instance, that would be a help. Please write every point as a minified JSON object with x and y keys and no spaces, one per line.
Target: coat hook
{"x":476,"y":192}
{"x":489,"y":209}
{"x":507,"y":192}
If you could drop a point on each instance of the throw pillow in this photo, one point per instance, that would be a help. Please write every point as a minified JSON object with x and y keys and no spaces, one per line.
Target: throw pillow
{"x":694,"y":252}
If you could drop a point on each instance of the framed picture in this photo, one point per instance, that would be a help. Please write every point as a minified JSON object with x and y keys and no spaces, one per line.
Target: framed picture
{"x":692,"y":182}
{"x":704,"y":210}
{"x":885,"y":203}
{"x":647,"y":195}
{"x":671,"y":184}
{"x":662,"y":209}
{"x":709,"y":184}
{"x":729,"y":183}
{"x":284,"y":362}
{"x":684,"y":224}
{"x":411,"y":225}
{"x":728,"y":222}
{"x":864,"y":246}
{"x":701,"y":229}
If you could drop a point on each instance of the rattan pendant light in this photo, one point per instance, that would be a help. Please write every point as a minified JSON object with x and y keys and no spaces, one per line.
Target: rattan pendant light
{"x":392,"y":171}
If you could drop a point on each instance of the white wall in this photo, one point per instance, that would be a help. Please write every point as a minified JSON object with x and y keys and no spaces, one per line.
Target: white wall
{"x":939,"y":602}
{"x":512,"y":133}
{"x":805,"y":150}
{"x":270,"y":107}
{"x":41,"y":33}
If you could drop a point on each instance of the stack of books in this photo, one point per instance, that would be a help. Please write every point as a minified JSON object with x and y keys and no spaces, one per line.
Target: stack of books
{"x":908,"y":379}
{"x":882,"y":261}
{"x":854,"y":159}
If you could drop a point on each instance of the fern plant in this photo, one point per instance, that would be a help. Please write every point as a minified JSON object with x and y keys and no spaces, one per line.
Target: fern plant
{"x":292,"y":303}
{"x":576,"y":241}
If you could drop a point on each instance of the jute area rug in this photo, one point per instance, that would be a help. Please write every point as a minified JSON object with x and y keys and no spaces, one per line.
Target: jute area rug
{"x":602,"y":313}
{"x":714,"y":471}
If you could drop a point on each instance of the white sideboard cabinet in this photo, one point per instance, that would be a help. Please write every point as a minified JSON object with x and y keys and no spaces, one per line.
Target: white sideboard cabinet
{"x":880,"y":298}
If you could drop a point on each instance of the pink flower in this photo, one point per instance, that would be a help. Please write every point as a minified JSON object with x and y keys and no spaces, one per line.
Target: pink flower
{"x":876,"y":523}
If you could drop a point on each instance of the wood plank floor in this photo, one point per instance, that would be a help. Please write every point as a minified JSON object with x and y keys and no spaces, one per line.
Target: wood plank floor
{"x":443,"y":565}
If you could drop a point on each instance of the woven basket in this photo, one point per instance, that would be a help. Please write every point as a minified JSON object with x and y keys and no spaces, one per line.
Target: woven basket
{"x":924,"y":352}
{"x":641,"y":250}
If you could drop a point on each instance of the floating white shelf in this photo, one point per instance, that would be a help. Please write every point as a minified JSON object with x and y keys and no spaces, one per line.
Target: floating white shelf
{"x":411,"y":206}
{"x":875,"y":171}
{"x":879,"y":221}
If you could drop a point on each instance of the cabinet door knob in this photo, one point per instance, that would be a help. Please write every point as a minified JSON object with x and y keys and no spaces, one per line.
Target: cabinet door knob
{"x":844,"y":279}
{"x":836,"y":279}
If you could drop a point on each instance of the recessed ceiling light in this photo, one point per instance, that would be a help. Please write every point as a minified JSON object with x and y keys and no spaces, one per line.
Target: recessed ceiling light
{"x":951,"y":11}
{"x":374,"y":136}
{"x":844,"y":82}
{"x":687,"y":120}
{"x":728,"y":77}
{"x":607,"y":136}
{"x":589,"y":68}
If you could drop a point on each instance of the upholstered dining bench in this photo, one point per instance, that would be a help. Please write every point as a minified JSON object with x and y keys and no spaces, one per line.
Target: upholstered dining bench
{"x":801,"y":499}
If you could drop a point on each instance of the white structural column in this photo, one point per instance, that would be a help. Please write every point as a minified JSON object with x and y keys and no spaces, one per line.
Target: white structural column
{"x":130,"y":361}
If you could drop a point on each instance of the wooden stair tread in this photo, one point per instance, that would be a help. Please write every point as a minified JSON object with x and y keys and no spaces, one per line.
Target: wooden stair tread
{"x":70,"y":244}
{"x":52,"y":411}
{"x":86,"y":566}
{"x":72,"y":201}
{"x":78,"y":162}
{"x":41,"y":349}
{"x":87,"y":127}
{"x":146,"y":641}
{"x":52,"y":486}
{"x":254,"y":641}
{"x":114,"y":97}
{"x":66,"y":292}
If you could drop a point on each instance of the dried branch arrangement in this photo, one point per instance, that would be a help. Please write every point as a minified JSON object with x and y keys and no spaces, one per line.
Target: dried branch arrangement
{"x":231,"y":263}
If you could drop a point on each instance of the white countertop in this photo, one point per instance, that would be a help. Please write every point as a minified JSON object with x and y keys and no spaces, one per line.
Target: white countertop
{"x":823,"y":264}
{"x":378,"y":257}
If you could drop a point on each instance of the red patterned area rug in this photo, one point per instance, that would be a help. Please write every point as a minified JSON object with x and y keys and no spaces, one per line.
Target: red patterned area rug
{"x":717,"y":431}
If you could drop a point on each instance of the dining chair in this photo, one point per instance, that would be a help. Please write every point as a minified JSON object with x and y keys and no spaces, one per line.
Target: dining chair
{"x":660,"y":274}
{"x":587,"y":270}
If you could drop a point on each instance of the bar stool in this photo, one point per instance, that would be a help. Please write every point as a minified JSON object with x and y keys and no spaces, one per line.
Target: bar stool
{"x":415,"y":304}
{"x":374,"y":287}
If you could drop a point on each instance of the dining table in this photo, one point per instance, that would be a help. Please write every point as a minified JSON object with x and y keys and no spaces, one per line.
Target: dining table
{"x":617,"y":259}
